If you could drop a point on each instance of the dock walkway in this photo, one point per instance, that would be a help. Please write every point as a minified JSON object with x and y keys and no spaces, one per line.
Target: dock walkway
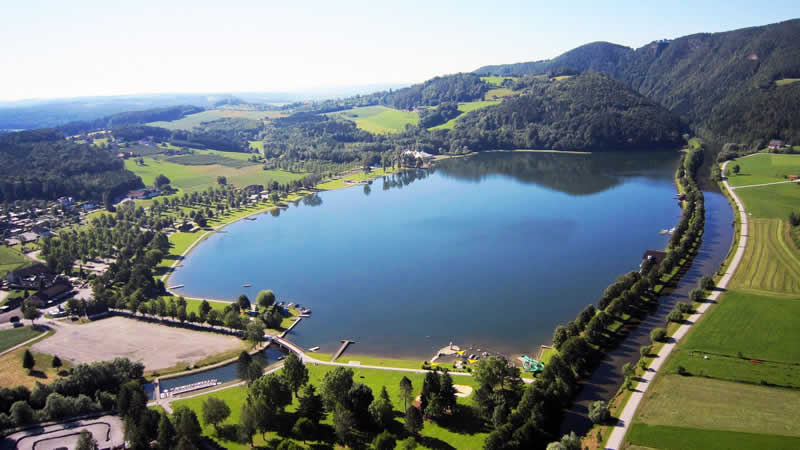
{"x":345,"y":344}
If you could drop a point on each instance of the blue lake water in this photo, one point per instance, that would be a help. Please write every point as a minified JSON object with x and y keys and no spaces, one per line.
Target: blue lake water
{"x":493,"y":250}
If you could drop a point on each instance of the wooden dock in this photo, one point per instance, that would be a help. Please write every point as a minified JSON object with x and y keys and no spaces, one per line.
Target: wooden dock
{"x":345,"y":344}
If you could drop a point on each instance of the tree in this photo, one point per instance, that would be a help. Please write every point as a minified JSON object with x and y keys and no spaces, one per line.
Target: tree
{"x":675,"y":315}
{"x":336,"y":385}
{"x":447,"y":392}
{"x":384,"y":441}
{"x":343,"y":422}
{"x":56,"y":362}
{"x":30,"y":312}
{"x":598,"y":412}
{"x":406,"y":388}
{"x":86,"y":441}
{"x":161,"y":181}
{"x":414,"y":421}
{"x":205,"y":308}
{"x":658,"y":335}
{"x":358,"y":400}
{"x":244,"y":303}
{"x":382,"y":410}
{"x":242,"y":364}
{"x":696,"y":295}
{"x":707,"y":283}
{"x":186,"y":425}
{"x":304,"y":429}
{"x":254,"y":371}
{"x":21,"y":413}
{"x":628,"y":369}
{"x":265,"y":298}
{"x":311,"y":404}
{"x":736,"y":169}
{"x":166,"y":432}
{"x":248,"y":423}
{"x":271,"y":392}
{"x":559,"y":336}
{"x":215,"y":411}
{"x":295,"y":372}
{"x":273,"y":317}
{"x":496,"y":372}
{"x":222,"y":181}
{"x":254,"y":332}
{"x":27,"y":360}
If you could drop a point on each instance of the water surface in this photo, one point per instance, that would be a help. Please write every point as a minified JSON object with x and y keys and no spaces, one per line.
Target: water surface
{"x":493,"y":250}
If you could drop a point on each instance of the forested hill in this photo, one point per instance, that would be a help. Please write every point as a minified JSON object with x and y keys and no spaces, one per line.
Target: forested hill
{"x":730,"y":86}
{"x":41,"y":164}
{"x":130,"y":118}
{"x":591,"y":111}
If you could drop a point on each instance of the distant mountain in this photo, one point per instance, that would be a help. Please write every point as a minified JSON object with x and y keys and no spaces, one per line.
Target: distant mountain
{"x":723,"y":84}
{"x":591,"y":111}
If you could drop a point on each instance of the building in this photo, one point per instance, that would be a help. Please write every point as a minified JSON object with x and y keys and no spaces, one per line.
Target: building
{"x":656,"y":256}
{"x":30,"y":277}
{"x":143,"y":194}
{"x":59,"y":290}
{"x":253,"y":189}
{"x":776,"y":144}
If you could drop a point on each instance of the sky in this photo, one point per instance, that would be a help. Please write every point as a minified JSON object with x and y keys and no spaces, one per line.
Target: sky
{"x":57,"y":49}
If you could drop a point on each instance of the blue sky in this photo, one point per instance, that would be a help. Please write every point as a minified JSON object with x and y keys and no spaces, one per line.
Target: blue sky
{"x":78,"y":48}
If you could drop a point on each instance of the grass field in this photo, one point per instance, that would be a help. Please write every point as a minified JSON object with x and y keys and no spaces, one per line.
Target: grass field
{"x":785,"y":81}
{"x":763,"y":168}
{"x":433,"y":435}
{"x":496,"y":81}
{"x":770,"y":261}
{"x":465,"y":108}
{"x":696,"y":402}
{"x":13,"y":374}
{"x":775,"y":201}
{"x":497,"y":93}
{"x":380,"y":119}
{"x":207,"y":160}
{"x":10,"y":259}
{"x":371,"y":360}
{"x":193,"y":120}
{"x":197,"y":178}
{"x":681,"y":438}
{"x":15,"y":336}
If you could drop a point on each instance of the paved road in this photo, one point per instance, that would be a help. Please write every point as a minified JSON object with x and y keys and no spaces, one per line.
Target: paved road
{"x":757,"y":185}
{"x":626,"y":417}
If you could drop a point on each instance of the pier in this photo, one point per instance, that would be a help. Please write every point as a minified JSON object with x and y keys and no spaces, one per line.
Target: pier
{"x":345,"y":344}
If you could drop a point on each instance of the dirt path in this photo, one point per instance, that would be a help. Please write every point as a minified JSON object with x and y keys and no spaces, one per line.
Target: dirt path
{"x":626,"y":416}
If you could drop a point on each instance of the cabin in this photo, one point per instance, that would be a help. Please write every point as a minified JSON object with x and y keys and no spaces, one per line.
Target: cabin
{"x":776,"y":144}
{"x":654,"y":256}
{"x":143,"y":194}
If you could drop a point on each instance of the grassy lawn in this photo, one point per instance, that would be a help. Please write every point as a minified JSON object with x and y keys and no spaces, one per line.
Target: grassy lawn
{"x":12,"y":373}
{"x":680,"y":438}
{"x":14,"y":336}
{"x":371,"y":361}
{"x":496,"y":81}
{"x":380,"y":119}
{"x":774,"y":201}
{"x":193,"y":120}
{"x":696,"y":402}
{"x":355,"y":177}
{"x":433,"y":435}
{"x":465,"y":108}
{"x":497,"y":93}
{"x":11,"y":259}
{"x":770,"y":261}
{"x":763,"y":168}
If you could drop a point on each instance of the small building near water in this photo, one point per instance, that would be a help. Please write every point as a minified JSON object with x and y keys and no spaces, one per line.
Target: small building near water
{"x":656,"y":256}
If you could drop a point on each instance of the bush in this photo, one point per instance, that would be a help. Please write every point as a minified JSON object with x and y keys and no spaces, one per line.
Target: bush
{"x":696,"y":295}
{"x":598,"y":412}
{"x":685,"y":307}
{"x":675,"y":315}
{"x":645,"y":350}
{"x":682,"y":371}
{"x":707,"y":283}
{"x":658,"y":335}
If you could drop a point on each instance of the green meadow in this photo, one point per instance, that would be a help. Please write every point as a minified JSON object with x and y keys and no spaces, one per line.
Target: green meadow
{"x":496,"y":81}
{"x":497,"y":93}
{"x":770,"y":261}
{"x":14,"y":336}
{"x":465,"y":107}
{"x":774,"y":201}
{"x":380,"y":119}
{"x":10,"y":259}
{"x":194,"y":120}
{"x":643,"y":436}
{"x":433,"y":435}
{"x":763,"y":168}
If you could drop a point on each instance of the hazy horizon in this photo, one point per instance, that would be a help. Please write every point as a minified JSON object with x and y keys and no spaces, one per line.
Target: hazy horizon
{"x":93,"y":49}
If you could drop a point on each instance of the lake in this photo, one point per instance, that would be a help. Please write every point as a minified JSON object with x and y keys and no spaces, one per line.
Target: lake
{"x":492,"y":250}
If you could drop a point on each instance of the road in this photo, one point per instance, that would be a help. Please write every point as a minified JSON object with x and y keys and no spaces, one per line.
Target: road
{"x":626,"y":416}
{"x":757,"y":185}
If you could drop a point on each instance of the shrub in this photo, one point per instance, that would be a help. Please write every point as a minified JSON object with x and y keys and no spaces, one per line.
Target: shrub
{"x":658,"y":335}
{"x":598,"y":412}
{"x":707,"y":283}
{"x":675,"y":315}
{"x":682,"y":371}
{"x":685,"y":307}
{"x":645,"y":350}
{"x":696,"y":295}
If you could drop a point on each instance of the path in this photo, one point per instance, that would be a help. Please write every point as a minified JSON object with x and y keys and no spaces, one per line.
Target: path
{"x":345,"y":344}
{"x":626,"y":417}
{"x":755,"y":185}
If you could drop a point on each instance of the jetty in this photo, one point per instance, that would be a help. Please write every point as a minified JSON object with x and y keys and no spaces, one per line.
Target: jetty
{"x":177,"y":286}
{"x":345,"y":344}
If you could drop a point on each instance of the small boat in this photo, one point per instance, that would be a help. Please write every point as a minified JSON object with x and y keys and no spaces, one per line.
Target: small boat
{"x":664,"y":231}
{"x":246,"y":285}
{"x":249,"y":218}
{"x":313,"y":349}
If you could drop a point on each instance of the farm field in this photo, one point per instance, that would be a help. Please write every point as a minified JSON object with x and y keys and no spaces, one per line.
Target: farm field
{"x":432,"y":435}
{"x":15,"y":336}
{"x":497,"y":93}
{"x":380,"y":119}
{"x":763,"y":168}
{"x":465,"y":108}
{"x":697,"y":402}
{"x":193,"y":120}
{"x":665,"y":437}
{"x":10,"y":259}
{"x":775,"y":201}
{"x":495,"y":80}
{"x":770,"y":261}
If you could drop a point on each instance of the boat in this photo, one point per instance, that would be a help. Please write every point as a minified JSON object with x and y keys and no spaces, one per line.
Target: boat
{"x":664,"y":231}
{"x":246,"y":285}
{"x":313,"y":349}
{"x":249,"y":218}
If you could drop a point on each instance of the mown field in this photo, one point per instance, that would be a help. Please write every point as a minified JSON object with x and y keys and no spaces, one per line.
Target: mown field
{"x":495,"y":80}
{"x":643,"y":436}
{"x":770,"y":261}
{"x":380,"y":119}
{"x":15,"y":336}
{"x":497,"y":93}
{"x":465,"y":108}
{"x":775,"y":201}
{"x":763,"y":168}
{"x":432,"y":435}
{"x":193,"y":120}
{"x":10,"y":259}
{"x":696,"y":402}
